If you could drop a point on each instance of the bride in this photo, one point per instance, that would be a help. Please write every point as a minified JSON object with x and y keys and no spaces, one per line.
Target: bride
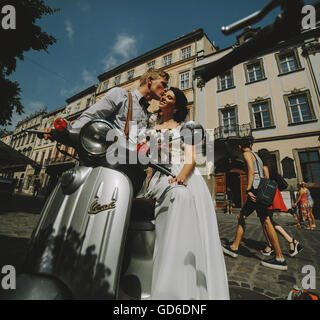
{"x":188,"y":260}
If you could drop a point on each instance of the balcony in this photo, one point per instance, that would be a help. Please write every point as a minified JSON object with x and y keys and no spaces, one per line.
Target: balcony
{"x":226,"y":141}
{"x":233,"y":130}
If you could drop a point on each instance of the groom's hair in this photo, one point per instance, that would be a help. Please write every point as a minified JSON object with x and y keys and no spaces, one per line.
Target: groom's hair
{"x":154,"y":74}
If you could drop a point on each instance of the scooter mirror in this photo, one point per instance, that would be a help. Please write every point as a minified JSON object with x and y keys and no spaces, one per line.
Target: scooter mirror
{"x":192,"y":133}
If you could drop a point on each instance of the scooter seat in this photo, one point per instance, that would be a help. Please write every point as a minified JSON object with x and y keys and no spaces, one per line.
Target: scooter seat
{"x":142,"y":213}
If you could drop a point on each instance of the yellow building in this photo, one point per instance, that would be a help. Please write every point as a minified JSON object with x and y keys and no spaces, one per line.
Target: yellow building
{"x":275,"y":99}
{"x":25,"y":143}
{"x":177,"y":58}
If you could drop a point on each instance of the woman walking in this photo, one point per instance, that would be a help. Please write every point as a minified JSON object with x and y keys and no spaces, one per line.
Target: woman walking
{"x":270,"y":172}
{"x":305,"y":206}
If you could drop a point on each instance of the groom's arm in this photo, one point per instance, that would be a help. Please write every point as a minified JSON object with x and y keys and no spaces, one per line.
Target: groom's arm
{"x":104,"y":108}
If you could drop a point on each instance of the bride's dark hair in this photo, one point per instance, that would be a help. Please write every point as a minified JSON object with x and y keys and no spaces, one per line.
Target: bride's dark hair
{"x":181,"y":105}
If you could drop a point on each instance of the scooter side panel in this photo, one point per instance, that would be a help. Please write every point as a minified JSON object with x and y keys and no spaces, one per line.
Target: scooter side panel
{"x":80,"y":237}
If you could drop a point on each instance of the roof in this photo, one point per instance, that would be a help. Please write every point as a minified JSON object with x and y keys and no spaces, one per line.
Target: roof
{"x":198,"y":33}
{"x":11,"y":159}
{"x":82,"y":94}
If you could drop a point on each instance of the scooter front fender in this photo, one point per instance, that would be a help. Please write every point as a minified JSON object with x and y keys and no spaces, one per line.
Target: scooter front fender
{"x":82,"y":230}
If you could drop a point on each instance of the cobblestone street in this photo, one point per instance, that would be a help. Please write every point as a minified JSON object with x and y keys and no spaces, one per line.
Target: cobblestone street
{"x":247,"y":278}
{"x":246,"y":271}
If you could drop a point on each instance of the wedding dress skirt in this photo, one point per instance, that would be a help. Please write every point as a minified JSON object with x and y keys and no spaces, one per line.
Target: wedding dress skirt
{"x":188,"y":259}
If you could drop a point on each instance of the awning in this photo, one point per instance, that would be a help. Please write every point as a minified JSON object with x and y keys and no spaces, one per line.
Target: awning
{"x":12,"y":160}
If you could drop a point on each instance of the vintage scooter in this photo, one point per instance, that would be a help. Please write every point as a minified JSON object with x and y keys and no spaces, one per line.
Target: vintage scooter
{"x":94,"y":240}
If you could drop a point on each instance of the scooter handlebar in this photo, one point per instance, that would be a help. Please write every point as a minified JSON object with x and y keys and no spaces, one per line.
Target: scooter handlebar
{"x":251,"y":19}
{"x":285,"y":27}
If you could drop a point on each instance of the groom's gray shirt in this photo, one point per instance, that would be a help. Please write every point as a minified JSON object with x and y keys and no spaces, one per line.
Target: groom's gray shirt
{"x":113,"y":106}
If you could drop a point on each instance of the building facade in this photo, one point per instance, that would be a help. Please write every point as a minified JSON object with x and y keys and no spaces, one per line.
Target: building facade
{"x":275,"y":99}
{"x":177,"y":58}
{"x":25,"y":143}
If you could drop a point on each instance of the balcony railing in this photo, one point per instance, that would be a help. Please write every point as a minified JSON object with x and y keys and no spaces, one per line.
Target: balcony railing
{"x":233,"y":130}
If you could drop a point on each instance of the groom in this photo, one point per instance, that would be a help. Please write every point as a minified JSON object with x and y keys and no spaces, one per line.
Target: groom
{"x":114,"y":106}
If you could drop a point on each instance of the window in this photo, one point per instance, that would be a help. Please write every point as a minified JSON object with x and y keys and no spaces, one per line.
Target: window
{"x":299,"y":107}
{"x":288,"y":61}
{"x":167,"y":60}
{"x":151,"y":64}
{"x":186,"y":53}
{"x":77,"y":107}
{"x":185,"y":80}
{"x":117,"y":80}
{"x":42,"y":157}
{"x":261,"y":114}
{"x":254,"y":71}
{"x":310,"y":165}
{"x":88,"y":102}
{"x":228,"y":121}
{"x":49,"y":157}
{"x":130,"y":75}
{"x":225,"y":81}
{"x":104,"y":85}
{"x":24,"y":139}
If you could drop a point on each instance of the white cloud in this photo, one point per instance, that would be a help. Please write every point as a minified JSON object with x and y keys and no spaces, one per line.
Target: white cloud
{"x":109,"y":62}
{"x":69,"y":29}
{"x":124,"y":48}
{"x":88,"y":77}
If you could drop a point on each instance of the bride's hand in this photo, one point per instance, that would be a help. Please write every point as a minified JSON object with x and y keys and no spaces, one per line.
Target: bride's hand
{"x":179,"y":180}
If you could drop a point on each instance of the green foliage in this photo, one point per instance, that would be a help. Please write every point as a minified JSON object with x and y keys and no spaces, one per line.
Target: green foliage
{"x":14,"y":43}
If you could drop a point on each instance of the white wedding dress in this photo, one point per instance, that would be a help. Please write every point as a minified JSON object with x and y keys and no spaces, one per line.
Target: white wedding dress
{"x":188,"y":259}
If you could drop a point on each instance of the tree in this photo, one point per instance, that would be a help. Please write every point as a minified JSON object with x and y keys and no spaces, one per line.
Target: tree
{"x":23,"y":35}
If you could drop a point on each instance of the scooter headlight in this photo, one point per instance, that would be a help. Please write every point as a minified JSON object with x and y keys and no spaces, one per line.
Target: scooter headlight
{"x":93,"y":137}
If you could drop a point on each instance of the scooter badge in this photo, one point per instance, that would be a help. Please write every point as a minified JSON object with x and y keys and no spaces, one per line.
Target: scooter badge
{"x":95,"y":207}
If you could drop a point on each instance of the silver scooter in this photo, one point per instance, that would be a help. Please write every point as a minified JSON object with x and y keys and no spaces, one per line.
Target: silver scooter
{"x":94,"y":240}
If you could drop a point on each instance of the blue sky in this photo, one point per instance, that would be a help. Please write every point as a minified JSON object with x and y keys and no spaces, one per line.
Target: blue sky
{"x":95,"y":36}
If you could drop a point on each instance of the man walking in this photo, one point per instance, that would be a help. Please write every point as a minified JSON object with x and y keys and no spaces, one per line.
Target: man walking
{"x":255,"y":173}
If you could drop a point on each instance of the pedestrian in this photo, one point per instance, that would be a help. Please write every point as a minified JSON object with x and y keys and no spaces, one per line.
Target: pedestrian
{"x":255,"y":174}
{"x":295,"y":211}
{"x":305,"y":206}
{"x":36,"y":187}
{"x":270,"y":172}
{"x":229,"y":204}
